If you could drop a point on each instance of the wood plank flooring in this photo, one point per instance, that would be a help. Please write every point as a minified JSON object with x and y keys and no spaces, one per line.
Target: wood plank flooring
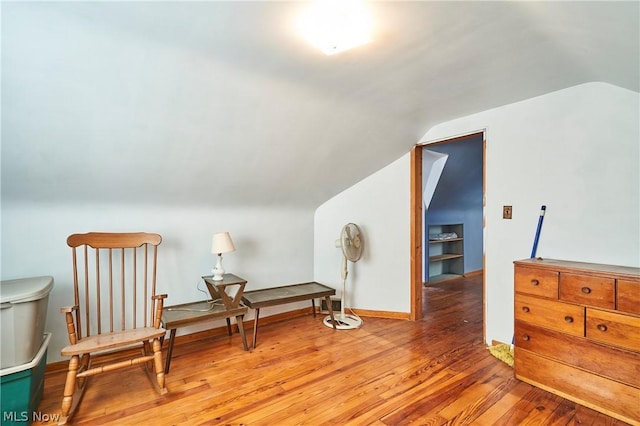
{"x":389,"y":372}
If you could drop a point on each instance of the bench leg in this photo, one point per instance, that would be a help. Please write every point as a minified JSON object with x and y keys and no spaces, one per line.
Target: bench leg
{"x":241,"y":331}
{"x":255,"y":327}
{"x":229,"y":326}
{"x":313,"y":307}
{"x":172,"y":339}
{"x":333,"y":320}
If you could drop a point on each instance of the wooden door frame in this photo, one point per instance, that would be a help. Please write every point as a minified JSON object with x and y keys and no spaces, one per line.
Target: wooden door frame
{"x":416,"y":233}
{"x":416,"y":224}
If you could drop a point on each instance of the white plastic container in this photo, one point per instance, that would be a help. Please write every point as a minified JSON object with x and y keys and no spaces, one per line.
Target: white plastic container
{"x":23,"y":304}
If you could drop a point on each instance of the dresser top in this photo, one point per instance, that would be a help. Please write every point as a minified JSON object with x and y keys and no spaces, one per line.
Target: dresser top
{"x":627,"y":272}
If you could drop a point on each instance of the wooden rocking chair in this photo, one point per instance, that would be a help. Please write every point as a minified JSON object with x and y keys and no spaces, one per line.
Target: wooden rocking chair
{"x":113,"y":273}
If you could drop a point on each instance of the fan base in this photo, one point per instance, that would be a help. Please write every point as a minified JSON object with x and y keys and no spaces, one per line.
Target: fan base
{"x":346,"y":322}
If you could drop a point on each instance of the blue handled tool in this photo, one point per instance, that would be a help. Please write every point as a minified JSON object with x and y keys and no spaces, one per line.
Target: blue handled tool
{"x":535,"y":240}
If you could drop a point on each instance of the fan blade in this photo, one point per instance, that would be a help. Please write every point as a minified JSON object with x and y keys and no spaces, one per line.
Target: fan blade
{"x":356,"y":241}
{"x":351,"y":242}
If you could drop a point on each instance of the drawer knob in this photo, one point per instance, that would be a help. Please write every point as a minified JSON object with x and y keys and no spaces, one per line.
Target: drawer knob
{"x":535,"y":282}
{"x":586,"y":290}
{"x":602,"y":327}
{"x":568,"y":319}
{"x":526,"y":337}
{"x":525,"y":309}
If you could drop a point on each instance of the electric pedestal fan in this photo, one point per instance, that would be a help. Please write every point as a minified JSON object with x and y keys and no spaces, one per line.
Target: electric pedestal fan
{"x":351,"y":243}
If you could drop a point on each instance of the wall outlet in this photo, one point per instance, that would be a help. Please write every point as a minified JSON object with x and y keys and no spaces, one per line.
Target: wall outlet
{"x":506,"y":212}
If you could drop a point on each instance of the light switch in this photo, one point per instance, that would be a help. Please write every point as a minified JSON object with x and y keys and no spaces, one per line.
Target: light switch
{"x":506,"y":212}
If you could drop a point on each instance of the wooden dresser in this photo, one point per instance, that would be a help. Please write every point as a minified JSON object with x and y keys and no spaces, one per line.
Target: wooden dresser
{"x":577,"y":333}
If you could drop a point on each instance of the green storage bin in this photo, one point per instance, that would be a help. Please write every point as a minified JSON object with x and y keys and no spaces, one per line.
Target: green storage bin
{"x":21,"y":388}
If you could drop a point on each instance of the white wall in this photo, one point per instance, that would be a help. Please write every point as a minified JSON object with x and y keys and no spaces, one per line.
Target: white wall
{"x":273,"y":247}
{"x":379,"y":205}
{"x":575,"y":150}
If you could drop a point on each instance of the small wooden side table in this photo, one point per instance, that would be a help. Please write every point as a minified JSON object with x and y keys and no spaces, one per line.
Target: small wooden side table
{"x":190,"y":313}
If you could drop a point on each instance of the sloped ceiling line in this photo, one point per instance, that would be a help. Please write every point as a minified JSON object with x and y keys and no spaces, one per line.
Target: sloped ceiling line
{"x":222,"y":103}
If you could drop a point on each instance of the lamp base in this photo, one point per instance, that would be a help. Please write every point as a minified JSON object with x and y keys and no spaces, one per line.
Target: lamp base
{"x":218,"y":270}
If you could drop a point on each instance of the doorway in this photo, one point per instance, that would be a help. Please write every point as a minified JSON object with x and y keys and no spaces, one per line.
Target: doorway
{"x":419,"y":244}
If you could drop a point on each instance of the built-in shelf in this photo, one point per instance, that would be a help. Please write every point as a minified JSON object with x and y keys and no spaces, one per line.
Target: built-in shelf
{"x":446,"y":252}
{"x":442,"y":257}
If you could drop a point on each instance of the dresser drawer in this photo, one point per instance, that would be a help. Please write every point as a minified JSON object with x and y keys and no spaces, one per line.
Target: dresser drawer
{"x":628,"y":296}
{"x":607,"y":396}
{"x":615,"y":329}
{"x":538,"y":282}
{"x":588,"y":290}
{"x":550,"y":314}
{"x":615,"y":363}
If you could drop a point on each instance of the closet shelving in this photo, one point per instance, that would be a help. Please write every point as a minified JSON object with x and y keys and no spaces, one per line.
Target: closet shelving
{"x":446,"y":252}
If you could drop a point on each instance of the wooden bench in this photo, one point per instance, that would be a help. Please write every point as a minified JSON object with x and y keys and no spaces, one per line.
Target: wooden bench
{"x":261,"y":298}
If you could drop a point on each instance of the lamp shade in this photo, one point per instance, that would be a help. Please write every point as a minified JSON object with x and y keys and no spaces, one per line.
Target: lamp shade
{"x":221,"y":243}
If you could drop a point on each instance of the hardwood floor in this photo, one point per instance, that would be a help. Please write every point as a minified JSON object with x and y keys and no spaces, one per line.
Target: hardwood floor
{"x":389,"y":372}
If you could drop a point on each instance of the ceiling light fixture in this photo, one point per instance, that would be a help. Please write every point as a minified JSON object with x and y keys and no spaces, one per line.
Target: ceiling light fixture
{"x":334,"y":26}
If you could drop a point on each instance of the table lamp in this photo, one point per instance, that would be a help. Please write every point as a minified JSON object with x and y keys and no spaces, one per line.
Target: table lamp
{"x":221,"y":243}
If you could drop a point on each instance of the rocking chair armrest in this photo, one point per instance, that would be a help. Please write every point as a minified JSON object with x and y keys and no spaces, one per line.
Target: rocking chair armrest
{"x":69,"y":309}
{"x":157,"y":320}
{"x":160,"y":301}
{"x":71,"y":325}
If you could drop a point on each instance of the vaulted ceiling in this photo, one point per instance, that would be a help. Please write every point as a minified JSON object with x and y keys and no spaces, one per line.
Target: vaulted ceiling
{"x":223,"y":103}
